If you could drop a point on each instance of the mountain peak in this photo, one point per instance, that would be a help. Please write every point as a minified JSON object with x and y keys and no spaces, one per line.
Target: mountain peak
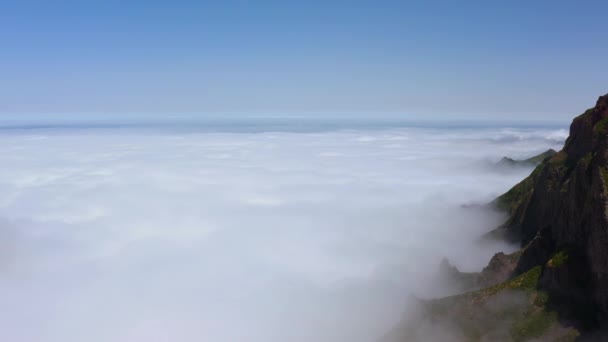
{"x":588,"y":131}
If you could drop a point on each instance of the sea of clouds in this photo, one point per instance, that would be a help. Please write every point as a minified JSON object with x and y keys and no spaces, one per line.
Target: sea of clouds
{"x":110,"y":234}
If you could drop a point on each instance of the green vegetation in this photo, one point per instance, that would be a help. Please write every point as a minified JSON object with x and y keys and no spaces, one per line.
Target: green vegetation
{"x":533,"y":161}
{"x":514,"y":310}
{"x":528,"y":280}
{"x":558,"y":259}
{"x":540,"y":158}
{"x":533,"y":325}
{"x":512,"y":198}
{"x":601,"y":126}
{"x":604,"y":172}
{"x":587,"y":158}
{"x":559,"y":158}
{"x":587,"y":112}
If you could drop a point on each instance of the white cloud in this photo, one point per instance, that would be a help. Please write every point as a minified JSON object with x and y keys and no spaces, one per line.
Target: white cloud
{"x":127,"y":235}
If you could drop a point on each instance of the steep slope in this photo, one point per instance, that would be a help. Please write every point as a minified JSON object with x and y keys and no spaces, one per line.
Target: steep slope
{"x":556,"y":286}
{"x":559,"y":213}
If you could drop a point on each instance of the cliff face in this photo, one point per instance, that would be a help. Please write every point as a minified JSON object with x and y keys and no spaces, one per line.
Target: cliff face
{"x":556,"y":286}
{"x":559,"y":214}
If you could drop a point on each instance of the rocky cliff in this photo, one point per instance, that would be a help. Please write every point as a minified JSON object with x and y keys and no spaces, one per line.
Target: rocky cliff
{"x":559,"y":214}
{"x":556,"y":286}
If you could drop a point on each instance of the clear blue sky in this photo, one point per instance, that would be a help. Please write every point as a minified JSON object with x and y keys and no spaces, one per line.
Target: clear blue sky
{"x":486,"y":59}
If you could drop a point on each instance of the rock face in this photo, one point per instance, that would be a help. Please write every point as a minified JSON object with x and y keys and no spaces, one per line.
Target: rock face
{"x":556,"y":286}
{"x":559,"y":214}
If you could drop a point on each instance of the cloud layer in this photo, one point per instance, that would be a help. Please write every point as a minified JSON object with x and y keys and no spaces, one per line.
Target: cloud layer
{"x":127,"y":235}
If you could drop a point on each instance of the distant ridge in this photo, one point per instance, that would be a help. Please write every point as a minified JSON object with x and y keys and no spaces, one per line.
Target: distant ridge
{"x":533,"y":161}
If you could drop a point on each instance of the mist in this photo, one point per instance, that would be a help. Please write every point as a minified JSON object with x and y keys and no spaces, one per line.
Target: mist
{"x":163,"y":235}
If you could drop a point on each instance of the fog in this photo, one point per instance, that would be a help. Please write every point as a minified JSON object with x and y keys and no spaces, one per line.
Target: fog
{"x":163,"y":235}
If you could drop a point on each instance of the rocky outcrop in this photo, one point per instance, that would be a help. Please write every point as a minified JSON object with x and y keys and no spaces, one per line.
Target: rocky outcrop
{"x":499,"y":269}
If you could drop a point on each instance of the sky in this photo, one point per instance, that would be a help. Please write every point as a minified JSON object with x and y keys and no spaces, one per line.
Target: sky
{"x":515,"y":60}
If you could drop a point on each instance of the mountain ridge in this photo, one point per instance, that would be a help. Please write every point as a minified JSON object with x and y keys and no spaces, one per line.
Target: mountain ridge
{"x":555,"y":288}
{"x":533,"y":161}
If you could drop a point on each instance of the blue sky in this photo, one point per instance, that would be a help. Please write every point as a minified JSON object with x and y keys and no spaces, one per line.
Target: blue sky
{"x":542,"y":60}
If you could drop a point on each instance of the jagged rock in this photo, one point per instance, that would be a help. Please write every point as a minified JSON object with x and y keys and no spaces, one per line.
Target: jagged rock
{"x":459,"y":281}
{"x":499,"y":269}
